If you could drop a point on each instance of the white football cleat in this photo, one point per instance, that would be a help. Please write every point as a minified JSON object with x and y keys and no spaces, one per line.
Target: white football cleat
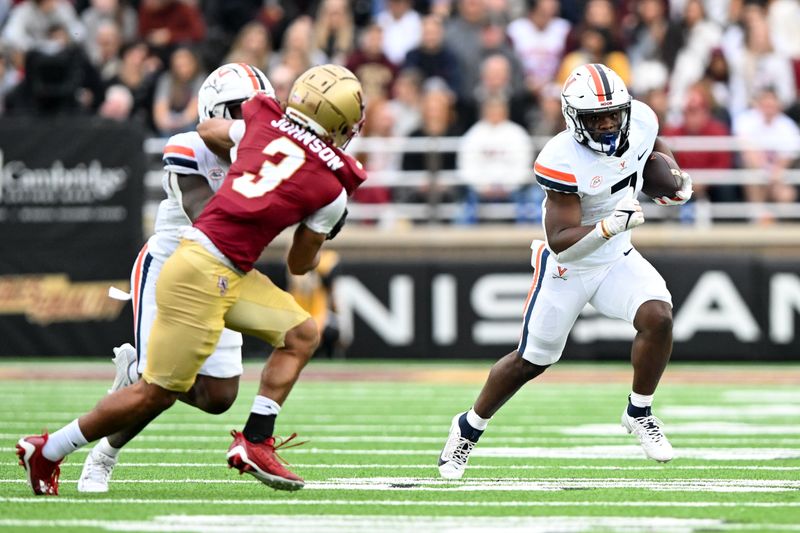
{"x":454,"y":456}
{"x":125,"y":361}
{"x":651,"y":436}
{"x":96,"y":472}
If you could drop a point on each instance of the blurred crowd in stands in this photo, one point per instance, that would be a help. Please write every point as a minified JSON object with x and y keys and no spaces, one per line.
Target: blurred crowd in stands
{"x":487,"y":70}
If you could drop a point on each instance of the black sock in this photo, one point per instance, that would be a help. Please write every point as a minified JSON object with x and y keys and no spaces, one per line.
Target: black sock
{"x":638,"y":412}
{"x":467,"y":431}
{"x":259,"y":427}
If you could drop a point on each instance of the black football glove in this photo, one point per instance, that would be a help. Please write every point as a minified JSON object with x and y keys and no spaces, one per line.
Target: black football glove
{"x":337,"y":227}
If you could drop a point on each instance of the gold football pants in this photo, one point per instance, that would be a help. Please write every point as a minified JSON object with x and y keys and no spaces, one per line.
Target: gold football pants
{"x":197,"y":296}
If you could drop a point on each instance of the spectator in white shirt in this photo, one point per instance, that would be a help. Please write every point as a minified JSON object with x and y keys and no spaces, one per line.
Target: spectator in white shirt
{"x":30,"y":22}
{"x":769,"y":141}
{"x":402,"y":29}
{"x":494,"y":160}
{"x":539,"y":40}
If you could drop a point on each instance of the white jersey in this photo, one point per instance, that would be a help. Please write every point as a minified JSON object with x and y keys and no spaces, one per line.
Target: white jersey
{"x":599,"y":180}
{"x":184,"y":154}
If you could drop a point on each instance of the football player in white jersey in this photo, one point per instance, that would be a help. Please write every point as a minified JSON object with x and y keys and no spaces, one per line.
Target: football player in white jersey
{"x":592,"y":174}
{"x":192,"y":173}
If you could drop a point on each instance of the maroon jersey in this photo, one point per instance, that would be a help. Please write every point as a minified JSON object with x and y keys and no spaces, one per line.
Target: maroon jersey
{"x":282,"y":174}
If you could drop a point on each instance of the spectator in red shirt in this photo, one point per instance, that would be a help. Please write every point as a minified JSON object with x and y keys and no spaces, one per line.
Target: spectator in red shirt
{"x":167,"y":23}
{"x":698,"y":121}
{"x":370,"y":64}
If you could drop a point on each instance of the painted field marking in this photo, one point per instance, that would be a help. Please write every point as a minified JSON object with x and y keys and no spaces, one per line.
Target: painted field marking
{"x":619,"y":453}
{"x":477,"y":484}
{"x":632,"y":452}
{"x":431,"y":466}
{"x":762,"y":396}
{"x":692,"y":428}
{"x":413,"y":524}
{"x":566,"y":483}
{"x":609,"y":440}
{"x":393,"y":502}
{"x":596,"y":430}
{"x":709,"y":412}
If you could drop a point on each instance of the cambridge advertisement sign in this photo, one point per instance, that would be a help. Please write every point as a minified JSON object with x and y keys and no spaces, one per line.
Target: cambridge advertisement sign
{"x":71,"y":218}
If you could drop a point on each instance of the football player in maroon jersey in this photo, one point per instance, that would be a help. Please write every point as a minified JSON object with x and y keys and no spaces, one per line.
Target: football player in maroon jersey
{"x":288,"y":168}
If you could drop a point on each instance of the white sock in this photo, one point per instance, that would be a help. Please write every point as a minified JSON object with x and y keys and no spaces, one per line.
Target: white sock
{"x":475,"y":421}
{"x":640,"y":400}
{"x":105,"y":447}
{"x":265,"y":406}
{"x":64,"y":441}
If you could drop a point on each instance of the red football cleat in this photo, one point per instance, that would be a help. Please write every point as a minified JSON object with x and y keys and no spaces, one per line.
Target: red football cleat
{"x":262,"y":462}
{"x":42,"y":473}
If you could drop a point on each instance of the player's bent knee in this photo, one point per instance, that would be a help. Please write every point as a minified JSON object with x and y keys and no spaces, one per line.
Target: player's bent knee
{"x":213,"y":395}
{"x":303,"y":338}
{"x":217,"y":405}
{"x":654,"y":316}
{"x":156,"y":398}
{"x":527,"y":369}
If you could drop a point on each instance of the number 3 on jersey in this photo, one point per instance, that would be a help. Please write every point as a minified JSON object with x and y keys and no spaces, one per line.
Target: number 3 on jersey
{"x":271,"y":174}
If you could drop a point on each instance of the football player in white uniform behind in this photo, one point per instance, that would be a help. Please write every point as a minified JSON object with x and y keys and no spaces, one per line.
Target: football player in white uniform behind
{"x":192,"y":174}
{"x":591,"y":173}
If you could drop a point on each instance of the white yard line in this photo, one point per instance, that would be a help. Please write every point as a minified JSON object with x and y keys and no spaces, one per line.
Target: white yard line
{"x":762,"y":396}
{"x":502,"y":430}
{"x":691,"y":428}
{"x":431,"y":466}
{"x":634,"y":451}
{"x":714,"y":412}
{"x":489,"y":440}
{"x":484,"y":485}
{"x":393,"y":502}
{"x":366,"y":523}
{"x":618,"y":453}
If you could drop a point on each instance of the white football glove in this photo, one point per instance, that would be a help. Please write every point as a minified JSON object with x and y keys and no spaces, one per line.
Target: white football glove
{"x":627,"y":215}
{"x":683,"y":195}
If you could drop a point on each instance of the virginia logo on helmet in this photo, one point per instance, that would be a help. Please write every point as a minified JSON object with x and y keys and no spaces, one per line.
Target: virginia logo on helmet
{"x":596,"y":107}
{"x":228,"y":86}
{"x":328,"y":100}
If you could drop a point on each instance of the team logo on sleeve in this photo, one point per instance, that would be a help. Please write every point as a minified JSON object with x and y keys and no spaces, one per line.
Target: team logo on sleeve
{"x":561,"y":272}
{"x":216,"y":174}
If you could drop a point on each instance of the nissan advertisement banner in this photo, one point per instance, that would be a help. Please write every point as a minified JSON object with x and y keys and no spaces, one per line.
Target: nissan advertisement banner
{"x":71,"y":217}
{"x":727,"y":307}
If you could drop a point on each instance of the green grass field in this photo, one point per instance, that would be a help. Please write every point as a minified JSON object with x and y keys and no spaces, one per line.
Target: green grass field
{"x":554,"y":459}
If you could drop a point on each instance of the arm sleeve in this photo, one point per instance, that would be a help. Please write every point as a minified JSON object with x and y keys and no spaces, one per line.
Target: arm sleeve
{"x":323,"y":220}
{"x":588,"y":244}
{"x":236,"y":131}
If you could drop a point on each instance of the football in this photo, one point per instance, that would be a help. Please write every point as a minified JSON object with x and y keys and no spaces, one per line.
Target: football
{"x":659,"y":180}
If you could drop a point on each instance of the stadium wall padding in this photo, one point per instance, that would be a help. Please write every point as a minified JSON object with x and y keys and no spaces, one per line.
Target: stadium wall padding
{"x":727,"y":307}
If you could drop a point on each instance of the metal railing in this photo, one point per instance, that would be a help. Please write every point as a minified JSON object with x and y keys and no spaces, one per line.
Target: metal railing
{"x":435,"y":210}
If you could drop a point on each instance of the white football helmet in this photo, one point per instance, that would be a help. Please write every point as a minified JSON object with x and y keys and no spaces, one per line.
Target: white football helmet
{"x":229,"y":85}
{"x":592,"y":90}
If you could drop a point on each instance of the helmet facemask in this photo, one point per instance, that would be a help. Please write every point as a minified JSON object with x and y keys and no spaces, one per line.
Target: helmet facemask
{"x":588,"y":125}
{"x":231,"y":110}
